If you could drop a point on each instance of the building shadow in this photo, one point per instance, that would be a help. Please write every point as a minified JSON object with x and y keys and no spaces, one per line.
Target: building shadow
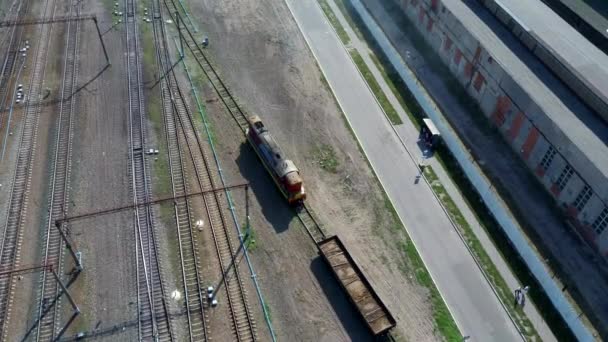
{"x":347,"y":313}
{"x":274,"y":206}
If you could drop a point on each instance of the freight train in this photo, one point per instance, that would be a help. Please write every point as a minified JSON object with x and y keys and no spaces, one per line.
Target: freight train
{"x":283,"y":171}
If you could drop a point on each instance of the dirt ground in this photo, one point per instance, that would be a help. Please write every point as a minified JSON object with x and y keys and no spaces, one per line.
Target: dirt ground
{"x":264,"y":60}
{"x":100,"y":179}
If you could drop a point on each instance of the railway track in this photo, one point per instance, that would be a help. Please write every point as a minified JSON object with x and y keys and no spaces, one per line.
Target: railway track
{"x":310,"y":223}
{"x":305,"y":214}
{"x":12,"y":41}
{"x":10,"y":61}
{"x":194,"y":292}
{"x":207,"y":177}
{"x":17,"y":205}
{"x":237,"y":113}
{"x":153,"y":314}
{"x":49,"y":302}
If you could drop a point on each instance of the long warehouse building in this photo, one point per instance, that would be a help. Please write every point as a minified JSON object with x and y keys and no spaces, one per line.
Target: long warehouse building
{"x":560,"y":138}
{"x":544,"y":87}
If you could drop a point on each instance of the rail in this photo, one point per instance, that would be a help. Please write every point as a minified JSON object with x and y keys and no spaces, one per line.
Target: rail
{"x":194,"y":294}
{"x":52,"y":20}
{"x":153,"y":315}
{"x":8,"y":68}
{"x":227,"y":191}
{"x":310,"y":223}
{"x":237,"y":113}
{"x":49,"y":304}
{"x":11,"y":239}
{"x":242,"y":320}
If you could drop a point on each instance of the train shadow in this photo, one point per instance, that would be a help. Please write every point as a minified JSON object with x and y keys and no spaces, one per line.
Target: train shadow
{"x":347,"y":313}
{"x":274,"y":207}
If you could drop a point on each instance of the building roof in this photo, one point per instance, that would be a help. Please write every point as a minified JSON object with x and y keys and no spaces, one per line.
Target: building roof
{"x":566,"y":44}
{"x":593,"y":12}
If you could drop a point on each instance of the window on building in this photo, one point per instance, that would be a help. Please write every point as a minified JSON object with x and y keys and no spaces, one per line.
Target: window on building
{"x":564,"y":177}
{"x":582,"y":198}
{"x":601,"y":222}
{"x":548,"y":158}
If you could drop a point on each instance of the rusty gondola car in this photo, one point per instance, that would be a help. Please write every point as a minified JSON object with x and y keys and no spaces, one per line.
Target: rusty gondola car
{"x":360,"y":292}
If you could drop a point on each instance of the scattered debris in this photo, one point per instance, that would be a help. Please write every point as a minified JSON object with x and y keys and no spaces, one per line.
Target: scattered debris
{"x":176,"y":295}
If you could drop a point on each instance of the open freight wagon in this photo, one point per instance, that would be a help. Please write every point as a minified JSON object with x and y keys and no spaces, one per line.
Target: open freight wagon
{"x":360,"y":292}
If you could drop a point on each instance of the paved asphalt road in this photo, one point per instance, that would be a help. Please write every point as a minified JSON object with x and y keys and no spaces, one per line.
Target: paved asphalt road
{"x":475,"y":308}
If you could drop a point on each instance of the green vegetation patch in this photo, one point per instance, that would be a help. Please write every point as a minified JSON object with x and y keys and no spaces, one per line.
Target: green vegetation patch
{"x":326,"y":157}
{"x":249,"y":239}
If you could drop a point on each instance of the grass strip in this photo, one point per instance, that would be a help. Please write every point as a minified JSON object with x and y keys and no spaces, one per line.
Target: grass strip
{"x":342,"y":5}
{"x":361,"y":65}
{"x":409,"y":104}
{"x":445,"y":158}
{"x":501,"y":287}
{"x":442,"y":317}
{"x":334,"y":22}
{"x":386,"y":105}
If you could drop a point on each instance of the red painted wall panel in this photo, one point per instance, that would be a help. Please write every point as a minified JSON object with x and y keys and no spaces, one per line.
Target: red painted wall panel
{"x":540,"y":172}
{"x":468,"y":69}
{"x":479,"y":79}
{"x":555,"y":190}
{"x":516,"y":126}
{"x":448,"y":44}
{"x":457,"y":56}
{"x":530,"y":142}
{"x":502,"y":107}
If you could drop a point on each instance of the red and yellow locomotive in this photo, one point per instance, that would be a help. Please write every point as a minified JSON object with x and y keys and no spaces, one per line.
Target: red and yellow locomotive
{"x":283,"y":171}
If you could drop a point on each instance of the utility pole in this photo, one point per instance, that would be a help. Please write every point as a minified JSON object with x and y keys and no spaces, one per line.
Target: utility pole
{"x":247,"y":210}
{"x":74,"y":255}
